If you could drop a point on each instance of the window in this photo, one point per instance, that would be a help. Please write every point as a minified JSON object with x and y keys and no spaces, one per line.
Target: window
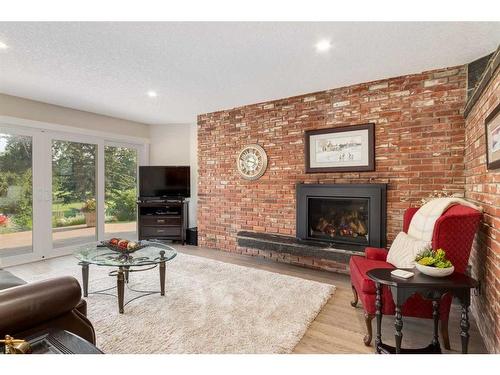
{"x":16,"y":194}
{"x":120,"y":192}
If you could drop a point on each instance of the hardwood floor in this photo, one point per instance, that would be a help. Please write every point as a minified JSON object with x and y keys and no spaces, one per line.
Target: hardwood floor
{"x":339,"y":328}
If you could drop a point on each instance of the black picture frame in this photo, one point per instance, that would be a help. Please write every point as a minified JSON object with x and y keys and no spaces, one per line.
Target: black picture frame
{"x":494,"y":115}
{"x":370,"y":166}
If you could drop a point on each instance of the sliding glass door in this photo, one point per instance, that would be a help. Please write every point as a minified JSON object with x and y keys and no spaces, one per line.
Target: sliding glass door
{"x":74,"y":213}
{"x":120,"y":191}
{"x":16,"y":194}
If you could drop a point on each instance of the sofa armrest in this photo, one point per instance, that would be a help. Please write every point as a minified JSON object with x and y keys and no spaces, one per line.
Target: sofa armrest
{"x":82,"y":307}
{"x":29,"y":305}
{"x":375,"y":253}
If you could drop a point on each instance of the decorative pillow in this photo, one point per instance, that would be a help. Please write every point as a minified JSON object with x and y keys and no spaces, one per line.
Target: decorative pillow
{"x":404,"y":249}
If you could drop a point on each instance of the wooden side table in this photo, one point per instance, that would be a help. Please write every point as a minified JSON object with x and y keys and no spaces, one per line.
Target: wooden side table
{"x":428,"y":287}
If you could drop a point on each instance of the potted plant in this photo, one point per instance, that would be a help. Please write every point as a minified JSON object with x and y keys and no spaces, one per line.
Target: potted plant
{"x":89,"y":211}
{"x":434,"y":263}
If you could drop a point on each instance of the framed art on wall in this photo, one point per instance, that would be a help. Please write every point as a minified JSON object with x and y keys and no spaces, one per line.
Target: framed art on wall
{"x":343,"y":149}
{"x":492,"y":130}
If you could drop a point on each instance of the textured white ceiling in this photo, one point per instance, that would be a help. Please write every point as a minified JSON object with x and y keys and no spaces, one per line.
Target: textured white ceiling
{"x":202,"y":67}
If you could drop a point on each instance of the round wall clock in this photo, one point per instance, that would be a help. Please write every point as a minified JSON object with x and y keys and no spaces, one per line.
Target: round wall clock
{"x":252,"y":162}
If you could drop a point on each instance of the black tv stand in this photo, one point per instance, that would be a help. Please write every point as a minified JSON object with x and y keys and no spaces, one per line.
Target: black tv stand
{"x":163,"y":219}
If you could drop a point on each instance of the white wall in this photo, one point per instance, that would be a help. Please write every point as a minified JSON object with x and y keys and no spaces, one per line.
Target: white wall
{"x":193,"y":157}
{"x":177,"y":145}
{"x":27,"y":109}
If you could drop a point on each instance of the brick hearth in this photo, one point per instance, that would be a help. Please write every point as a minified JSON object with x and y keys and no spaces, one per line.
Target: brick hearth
{"x":314,"y":254}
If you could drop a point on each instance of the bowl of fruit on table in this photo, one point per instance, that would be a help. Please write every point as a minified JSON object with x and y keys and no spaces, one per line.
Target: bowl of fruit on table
{"x":123,"y":246}
{"x":434,"y":263}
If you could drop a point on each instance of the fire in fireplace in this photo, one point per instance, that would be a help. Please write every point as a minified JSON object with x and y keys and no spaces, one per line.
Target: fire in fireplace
{"x":339,"y":219}
{"x":348,"y":215}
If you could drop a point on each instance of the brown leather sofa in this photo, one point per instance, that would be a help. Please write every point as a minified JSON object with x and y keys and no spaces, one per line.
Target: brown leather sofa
{"x":27,"y":308}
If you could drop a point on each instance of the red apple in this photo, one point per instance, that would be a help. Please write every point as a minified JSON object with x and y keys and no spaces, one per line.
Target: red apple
{"x":123,"y":244}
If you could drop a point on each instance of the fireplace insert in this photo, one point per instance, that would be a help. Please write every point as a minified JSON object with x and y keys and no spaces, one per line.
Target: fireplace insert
{"x":350,"y":216}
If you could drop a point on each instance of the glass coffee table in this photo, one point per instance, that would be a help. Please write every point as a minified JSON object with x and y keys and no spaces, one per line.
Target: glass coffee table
{"x":154,"y":255}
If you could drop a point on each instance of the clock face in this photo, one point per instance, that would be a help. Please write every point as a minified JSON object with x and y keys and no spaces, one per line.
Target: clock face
{"x":252,"y":162}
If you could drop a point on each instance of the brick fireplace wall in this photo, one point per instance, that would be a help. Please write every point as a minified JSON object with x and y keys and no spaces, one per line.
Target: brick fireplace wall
{"x":483,"y":188}
{"x":419,"y":131}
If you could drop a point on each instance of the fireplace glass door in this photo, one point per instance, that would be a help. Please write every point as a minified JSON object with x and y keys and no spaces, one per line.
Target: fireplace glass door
{"x":342,"y":220}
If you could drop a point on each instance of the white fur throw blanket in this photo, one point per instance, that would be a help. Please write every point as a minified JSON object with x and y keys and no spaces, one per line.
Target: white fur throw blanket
{"x":422,"y":223}
{"x":406,"y":247}
{"x":404,"y":250}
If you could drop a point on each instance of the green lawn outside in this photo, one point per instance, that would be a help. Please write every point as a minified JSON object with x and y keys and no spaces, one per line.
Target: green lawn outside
{"x":69,"y":209}
{"x":63,"y":215}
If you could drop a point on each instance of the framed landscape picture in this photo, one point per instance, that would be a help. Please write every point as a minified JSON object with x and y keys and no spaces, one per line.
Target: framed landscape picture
{"x":343,"y":149}
{"x":492,"y":129}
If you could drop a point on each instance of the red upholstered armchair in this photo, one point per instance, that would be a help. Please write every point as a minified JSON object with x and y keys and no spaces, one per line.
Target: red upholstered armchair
{"x":454,"y":232}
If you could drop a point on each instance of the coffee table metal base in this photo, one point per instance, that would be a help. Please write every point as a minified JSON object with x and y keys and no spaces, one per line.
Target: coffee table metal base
{"x":122,"y":279}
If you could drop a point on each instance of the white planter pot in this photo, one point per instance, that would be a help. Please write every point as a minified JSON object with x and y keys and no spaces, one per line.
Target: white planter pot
{"x":434,"y":271}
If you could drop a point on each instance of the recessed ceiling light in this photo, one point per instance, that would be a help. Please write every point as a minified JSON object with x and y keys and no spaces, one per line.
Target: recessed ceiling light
{"x":3,"y":45}
{"x":323,"y":45}
{"x":152,"y":94}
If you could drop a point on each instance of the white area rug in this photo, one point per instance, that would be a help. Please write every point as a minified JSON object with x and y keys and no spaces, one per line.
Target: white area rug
{"x":209,"y":307}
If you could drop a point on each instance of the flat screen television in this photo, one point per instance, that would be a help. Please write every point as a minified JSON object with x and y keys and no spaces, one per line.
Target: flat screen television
{"x":164,"y":182}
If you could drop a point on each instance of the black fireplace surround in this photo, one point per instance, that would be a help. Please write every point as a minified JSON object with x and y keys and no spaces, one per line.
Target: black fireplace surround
{"x":349,"y":216}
